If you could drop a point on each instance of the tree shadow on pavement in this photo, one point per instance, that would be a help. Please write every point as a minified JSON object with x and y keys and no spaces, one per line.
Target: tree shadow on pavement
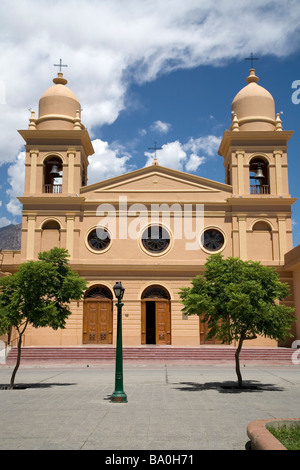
{"x":228,"y":387}
{"x":21,"y":386}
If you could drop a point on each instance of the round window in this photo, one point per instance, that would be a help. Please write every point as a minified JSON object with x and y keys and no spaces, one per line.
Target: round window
{"x":155,"y":239}
{"x":99,"y":239}
{"x":212,"y":240}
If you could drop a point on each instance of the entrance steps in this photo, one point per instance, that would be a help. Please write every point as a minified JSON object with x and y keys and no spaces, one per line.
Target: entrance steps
{"x":102,"y":354}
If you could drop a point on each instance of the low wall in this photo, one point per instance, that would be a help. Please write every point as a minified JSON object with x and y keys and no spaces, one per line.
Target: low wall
{"x":262,"y":439}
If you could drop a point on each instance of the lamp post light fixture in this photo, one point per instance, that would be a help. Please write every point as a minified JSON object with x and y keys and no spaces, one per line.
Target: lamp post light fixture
{"x":119,"y":396}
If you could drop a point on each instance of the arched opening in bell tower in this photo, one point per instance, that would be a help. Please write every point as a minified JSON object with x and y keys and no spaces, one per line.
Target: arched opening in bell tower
{"x":259,"y":176}
{"x":53,"y":175}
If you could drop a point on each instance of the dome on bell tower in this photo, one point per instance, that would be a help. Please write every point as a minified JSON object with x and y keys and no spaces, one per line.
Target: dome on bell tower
{"x":253,"y":107}
{"x":59,"y":107}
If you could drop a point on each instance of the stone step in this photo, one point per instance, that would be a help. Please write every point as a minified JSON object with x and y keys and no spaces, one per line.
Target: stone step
{"x":105,"y":353}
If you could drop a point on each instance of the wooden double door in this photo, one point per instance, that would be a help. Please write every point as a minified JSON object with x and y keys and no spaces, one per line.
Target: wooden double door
{"x":156,"y":322}
{"x":97,"y":321}
{"x":203,"y":329}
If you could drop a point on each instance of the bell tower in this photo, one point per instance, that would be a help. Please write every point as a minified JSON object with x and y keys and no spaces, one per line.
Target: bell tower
{"x":254,"y":149}
{"x":57,"y":150}
{"x":57,"y":144}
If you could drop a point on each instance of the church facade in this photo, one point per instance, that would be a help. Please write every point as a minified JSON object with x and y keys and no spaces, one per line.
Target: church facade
{"x":153,"y":228}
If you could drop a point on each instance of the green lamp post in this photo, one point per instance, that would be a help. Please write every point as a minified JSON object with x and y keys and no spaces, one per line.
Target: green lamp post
{"x":119,"y":396}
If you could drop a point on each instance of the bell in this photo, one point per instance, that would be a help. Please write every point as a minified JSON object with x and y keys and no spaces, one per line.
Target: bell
{"x":54,"y":172}
{"x":259,"y":174}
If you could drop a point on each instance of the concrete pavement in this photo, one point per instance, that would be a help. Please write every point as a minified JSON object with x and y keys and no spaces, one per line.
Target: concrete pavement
{"x":185,"y":406}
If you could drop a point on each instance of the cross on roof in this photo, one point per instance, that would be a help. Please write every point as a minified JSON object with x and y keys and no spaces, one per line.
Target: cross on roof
{"x":154,"y":148}
{"x":252,"y":59}
{"x":60,"y":65}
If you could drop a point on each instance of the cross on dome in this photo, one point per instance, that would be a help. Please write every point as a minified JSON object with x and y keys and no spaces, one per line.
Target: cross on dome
{"x":60,"y":65}
{"x":252,"y":59}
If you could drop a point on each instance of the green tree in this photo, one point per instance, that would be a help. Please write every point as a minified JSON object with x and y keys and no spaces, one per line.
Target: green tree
{"x":39,"y":294}
{"x":239,"y":300}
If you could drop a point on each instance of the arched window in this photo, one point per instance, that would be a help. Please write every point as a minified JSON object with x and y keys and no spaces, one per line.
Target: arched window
{"x":51,"y":225}
{"x":261,"y":242}
{"x":53,"y":175}
{"x":98,"y":292}
{"x":259,"y":176}
{"x":155,"y":292}
{"x":228,"y":175}
{"x":50,"y":236}
{"x":261,"y":226}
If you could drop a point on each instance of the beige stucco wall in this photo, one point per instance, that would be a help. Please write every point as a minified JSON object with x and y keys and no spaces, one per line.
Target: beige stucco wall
{"x":126,"y":260}
{"x":231,"y":208}
{"x":184,"y":330}
{"x":292,"y":264}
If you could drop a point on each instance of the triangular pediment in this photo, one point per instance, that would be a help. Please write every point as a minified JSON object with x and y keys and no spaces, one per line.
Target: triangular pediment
{"x":156,"y":178}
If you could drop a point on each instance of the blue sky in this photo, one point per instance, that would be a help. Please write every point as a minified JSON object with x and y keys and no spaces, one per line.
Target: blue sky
{"x":144,"y":72}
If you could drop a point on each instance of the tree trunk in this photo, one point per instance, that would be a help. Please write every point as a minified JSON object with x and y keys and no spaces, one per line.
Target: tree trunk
{"x":12,"y":380}
{"x":237,"y":362}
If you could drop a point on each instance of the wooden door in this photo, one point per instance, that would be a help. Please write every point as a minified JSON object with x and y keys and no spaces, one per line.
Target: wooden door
{"x":163,"y":322}
{"x":203,"y":334}
{"x":90,"y":314}
{"x":97,"y":322}
{"x":143,"y":322}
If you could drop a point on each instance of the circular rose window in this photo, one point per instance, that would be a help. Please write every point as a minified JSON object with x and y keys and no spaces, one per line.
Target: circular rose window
{"x":99,"y":239}
{"x":212,"y":240}
{"x":155,"y":239}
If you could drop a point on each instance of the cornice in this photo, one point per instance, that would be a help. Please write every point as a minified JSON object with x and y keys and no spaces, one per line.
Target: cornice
{"x":157,"y":170}
{"x":250,"y":138}
{"x":261,"y":201}
{"x":51,"y":201}
{"x":68,"y":137}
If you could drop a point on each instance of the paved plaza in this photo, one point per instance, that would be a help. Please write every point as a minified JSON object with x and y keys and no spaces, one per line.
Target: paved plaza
{"x":185,"y":406}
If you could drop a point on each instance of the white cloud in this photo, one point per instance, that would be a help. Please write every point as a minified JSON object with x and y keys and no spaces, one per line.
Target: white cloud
{"x":184,"y":157}
{"x":161,"y":127}
{"x":107,"y":161}
{"x":194,"y":162}
{"x":172,"y":156}
{"x":4,"y":222}
{"x":16,"y":176}
{"x":208,"y":144}
{"x":109,"y":45}
{"x":111,"y":160}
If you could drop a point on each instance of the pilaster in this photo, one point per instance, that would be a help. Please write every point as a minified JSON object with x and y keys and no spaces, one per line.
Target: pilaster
{"x":240,"y":173}
{"x":242,"y":236}
{"x":282,"y":237}
{"x":33,"y":170}
{"x":278,"y":171}
{"x":70,"y":220}
{"x":31,"y":218}
{"x":71,"y":170}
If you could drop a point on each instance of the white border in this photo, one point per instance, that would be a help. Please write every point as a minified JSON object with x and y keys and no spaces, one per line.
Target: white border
{"x":150,"y":253}
{"x":212,"y":227}
{"x":97,"y":252}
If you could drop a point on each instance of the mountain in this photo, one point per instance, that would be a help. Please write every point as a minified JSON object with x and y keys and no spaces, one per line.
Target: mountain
{"x":10,"y":237}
